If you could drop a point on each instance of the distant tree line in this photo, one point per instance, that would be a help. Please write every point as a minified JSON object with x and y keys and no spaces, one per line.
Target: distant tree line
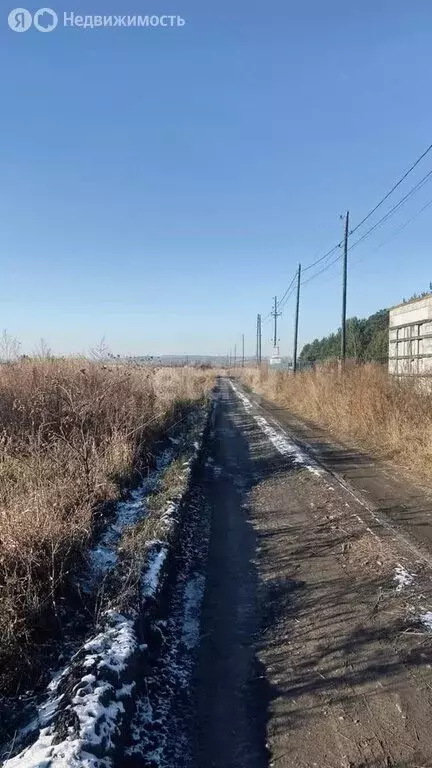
{"x":367,"y":340}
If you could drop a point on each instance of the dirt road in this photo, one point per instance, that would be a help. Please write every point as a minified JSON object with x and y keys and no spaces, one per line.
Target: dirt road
{"x":311,"y":653}
{"x":292,"y":625}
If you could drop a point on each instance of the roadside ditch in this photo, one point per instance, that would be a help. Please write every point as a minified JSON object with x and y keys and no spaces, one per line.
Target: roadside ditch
{"x":108,"y":702}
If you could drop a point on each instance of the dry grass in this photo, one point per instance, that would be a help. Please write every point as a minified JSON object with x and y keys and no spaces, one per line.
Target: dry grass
{"x":389,"y":417}
{"x":71,"y":433}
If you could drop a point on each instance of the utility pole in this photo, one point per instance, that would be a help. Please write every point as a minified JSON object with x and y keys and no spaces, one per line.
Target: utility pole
{"x":242,"y":350}
{"x":258,"y":348}
{"x":235,"y":355}
{"x":275,"y":315}
{"x":259,"y":340}
{"x":344,"y":289}
{"x":296,"y":327}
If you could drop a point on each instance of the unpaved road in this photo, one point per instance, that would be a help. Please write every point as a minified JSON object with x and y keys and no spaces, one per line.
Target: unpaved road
{"x":309,"y":654}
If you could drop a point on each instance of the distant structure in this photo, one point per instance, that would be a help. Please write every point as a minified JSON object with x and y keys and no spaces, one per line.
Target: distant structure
{"x":410,"y":338}
{"x":275,"y":360}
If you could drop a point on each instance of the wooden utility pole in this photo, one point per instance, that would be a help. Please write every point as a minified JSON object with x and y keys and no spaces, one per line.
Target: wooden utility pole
{"x":344,"y":289}
{"x":258,"y":349}
{"x":260,"y":341}
{"x":235,"y":355}
{"x":296,"y":326}
{"x":242,"y":350}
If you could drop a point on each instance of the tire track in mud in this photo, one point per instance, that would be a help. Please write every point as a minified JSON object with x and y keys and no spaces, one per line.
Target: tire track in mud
{"x":158,"y":736}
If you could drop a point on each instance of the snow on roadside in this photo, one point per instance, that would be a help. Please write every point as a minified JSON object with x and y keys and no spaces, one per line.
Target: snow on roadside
{"x":151,"y":578}
{"x":193,"y":597}
{"x":426,"y":619}
{"x":95,"y":705}
{"x":157,"y":727}
{"x":402,"y":577}
{"x":277,"y":437}
{"x":87,"y":703}
{"x":104,"y":556}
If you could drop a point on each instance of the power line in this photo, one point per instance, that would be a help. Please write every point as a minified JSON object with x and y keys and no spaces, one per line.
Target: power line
{"x":283,"y":300}
{"x":379,"y":223}
{"x":392,"y":190}
{"x":288,"y":289}
{"x":394,"y":234}
{"x":288,"y":295}
{"x":327,"y":266}
{"x":291,"y":293}
{"x":400,"y":229}
{"x":326,"y":255}
{"x":371,"y":212}
{"x":386,"y":216}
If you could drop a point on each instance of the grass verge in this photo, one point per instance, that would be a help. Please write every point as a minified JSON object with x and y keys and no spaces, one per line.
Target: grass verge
{"x":391,"y":418}
{"x":72,"y":435}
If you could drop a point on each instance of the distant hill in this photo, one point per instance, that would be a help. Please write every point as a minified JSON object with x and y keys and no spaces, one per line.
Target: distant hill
{"x":367,"y":340}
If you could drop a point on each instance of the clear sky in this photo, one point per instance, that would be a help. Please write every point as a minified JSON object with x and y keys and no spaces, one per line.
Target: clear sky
{"x":159,"y":186}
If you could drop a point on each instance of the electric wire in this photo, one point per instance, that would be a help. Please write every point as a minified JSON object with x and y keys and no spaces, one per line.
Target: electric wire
{"x":326,"y":255}
{"x":392,"y":210}
{"x":398,"y":183}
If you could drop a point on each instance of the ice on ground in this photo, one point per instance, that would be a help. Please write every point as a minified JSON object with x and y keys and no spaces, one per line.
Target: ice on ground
{"x":278,"y":438}
{"x":402,"y":577}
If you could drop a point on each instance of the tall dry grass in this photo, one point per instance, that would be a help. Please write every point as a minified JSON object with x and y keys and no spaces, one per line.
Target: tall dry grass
{"x":71,"y":433}
{"x":391,"y":418}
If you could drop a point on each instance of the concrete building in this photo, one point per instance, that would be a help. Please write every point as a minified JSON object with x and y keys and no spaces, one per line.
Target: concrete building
{"x":410,"y":338}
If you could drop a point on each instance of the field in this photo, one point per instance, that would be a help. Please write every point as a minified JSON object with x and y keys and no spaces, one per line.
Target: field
{"x":73,"y":436}
{"x":390,"y":418}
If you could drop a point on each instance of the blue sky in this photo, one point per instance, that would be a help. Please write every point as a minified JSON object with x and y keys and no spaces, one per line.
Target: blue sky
{"x":159,"y":186}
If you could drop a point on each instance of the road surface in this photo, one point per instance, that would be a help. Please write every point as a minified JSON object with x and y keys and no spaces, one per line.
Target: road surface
{"x":310,"y":652}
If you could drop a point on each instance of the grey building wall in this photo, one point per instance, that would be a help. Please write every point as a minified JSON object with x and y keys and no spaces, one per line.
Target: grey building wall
{"x":410,"y":338}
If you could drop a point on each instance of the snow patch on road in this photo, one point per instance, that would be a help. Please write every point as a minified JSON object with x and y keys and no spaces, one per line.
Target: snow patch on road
{"x":402,"y":577}
{"x":193,"y":597}
{"x":277,"y":437}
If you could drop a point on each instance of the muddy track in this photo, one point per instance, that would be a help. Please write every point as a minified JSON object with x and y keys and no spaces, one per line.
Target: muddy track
{"x":309,"y":654}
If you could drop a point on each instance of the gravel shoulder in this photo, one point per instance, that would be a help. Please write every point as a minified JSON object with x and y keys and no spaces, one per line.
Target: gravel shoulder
{"x":312,"y":652}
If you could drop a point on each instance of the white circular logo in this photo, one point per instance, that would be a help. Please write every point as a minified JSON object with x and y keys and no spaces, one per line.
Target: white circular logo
{"x":20,"y":20}
{"x":45,"y":20}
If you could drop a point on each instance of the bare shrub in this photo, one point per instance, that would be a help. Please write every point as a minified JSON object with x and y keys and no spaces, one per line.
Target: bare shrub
{"x":390,"y":417}
{"x":71,"y":433}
